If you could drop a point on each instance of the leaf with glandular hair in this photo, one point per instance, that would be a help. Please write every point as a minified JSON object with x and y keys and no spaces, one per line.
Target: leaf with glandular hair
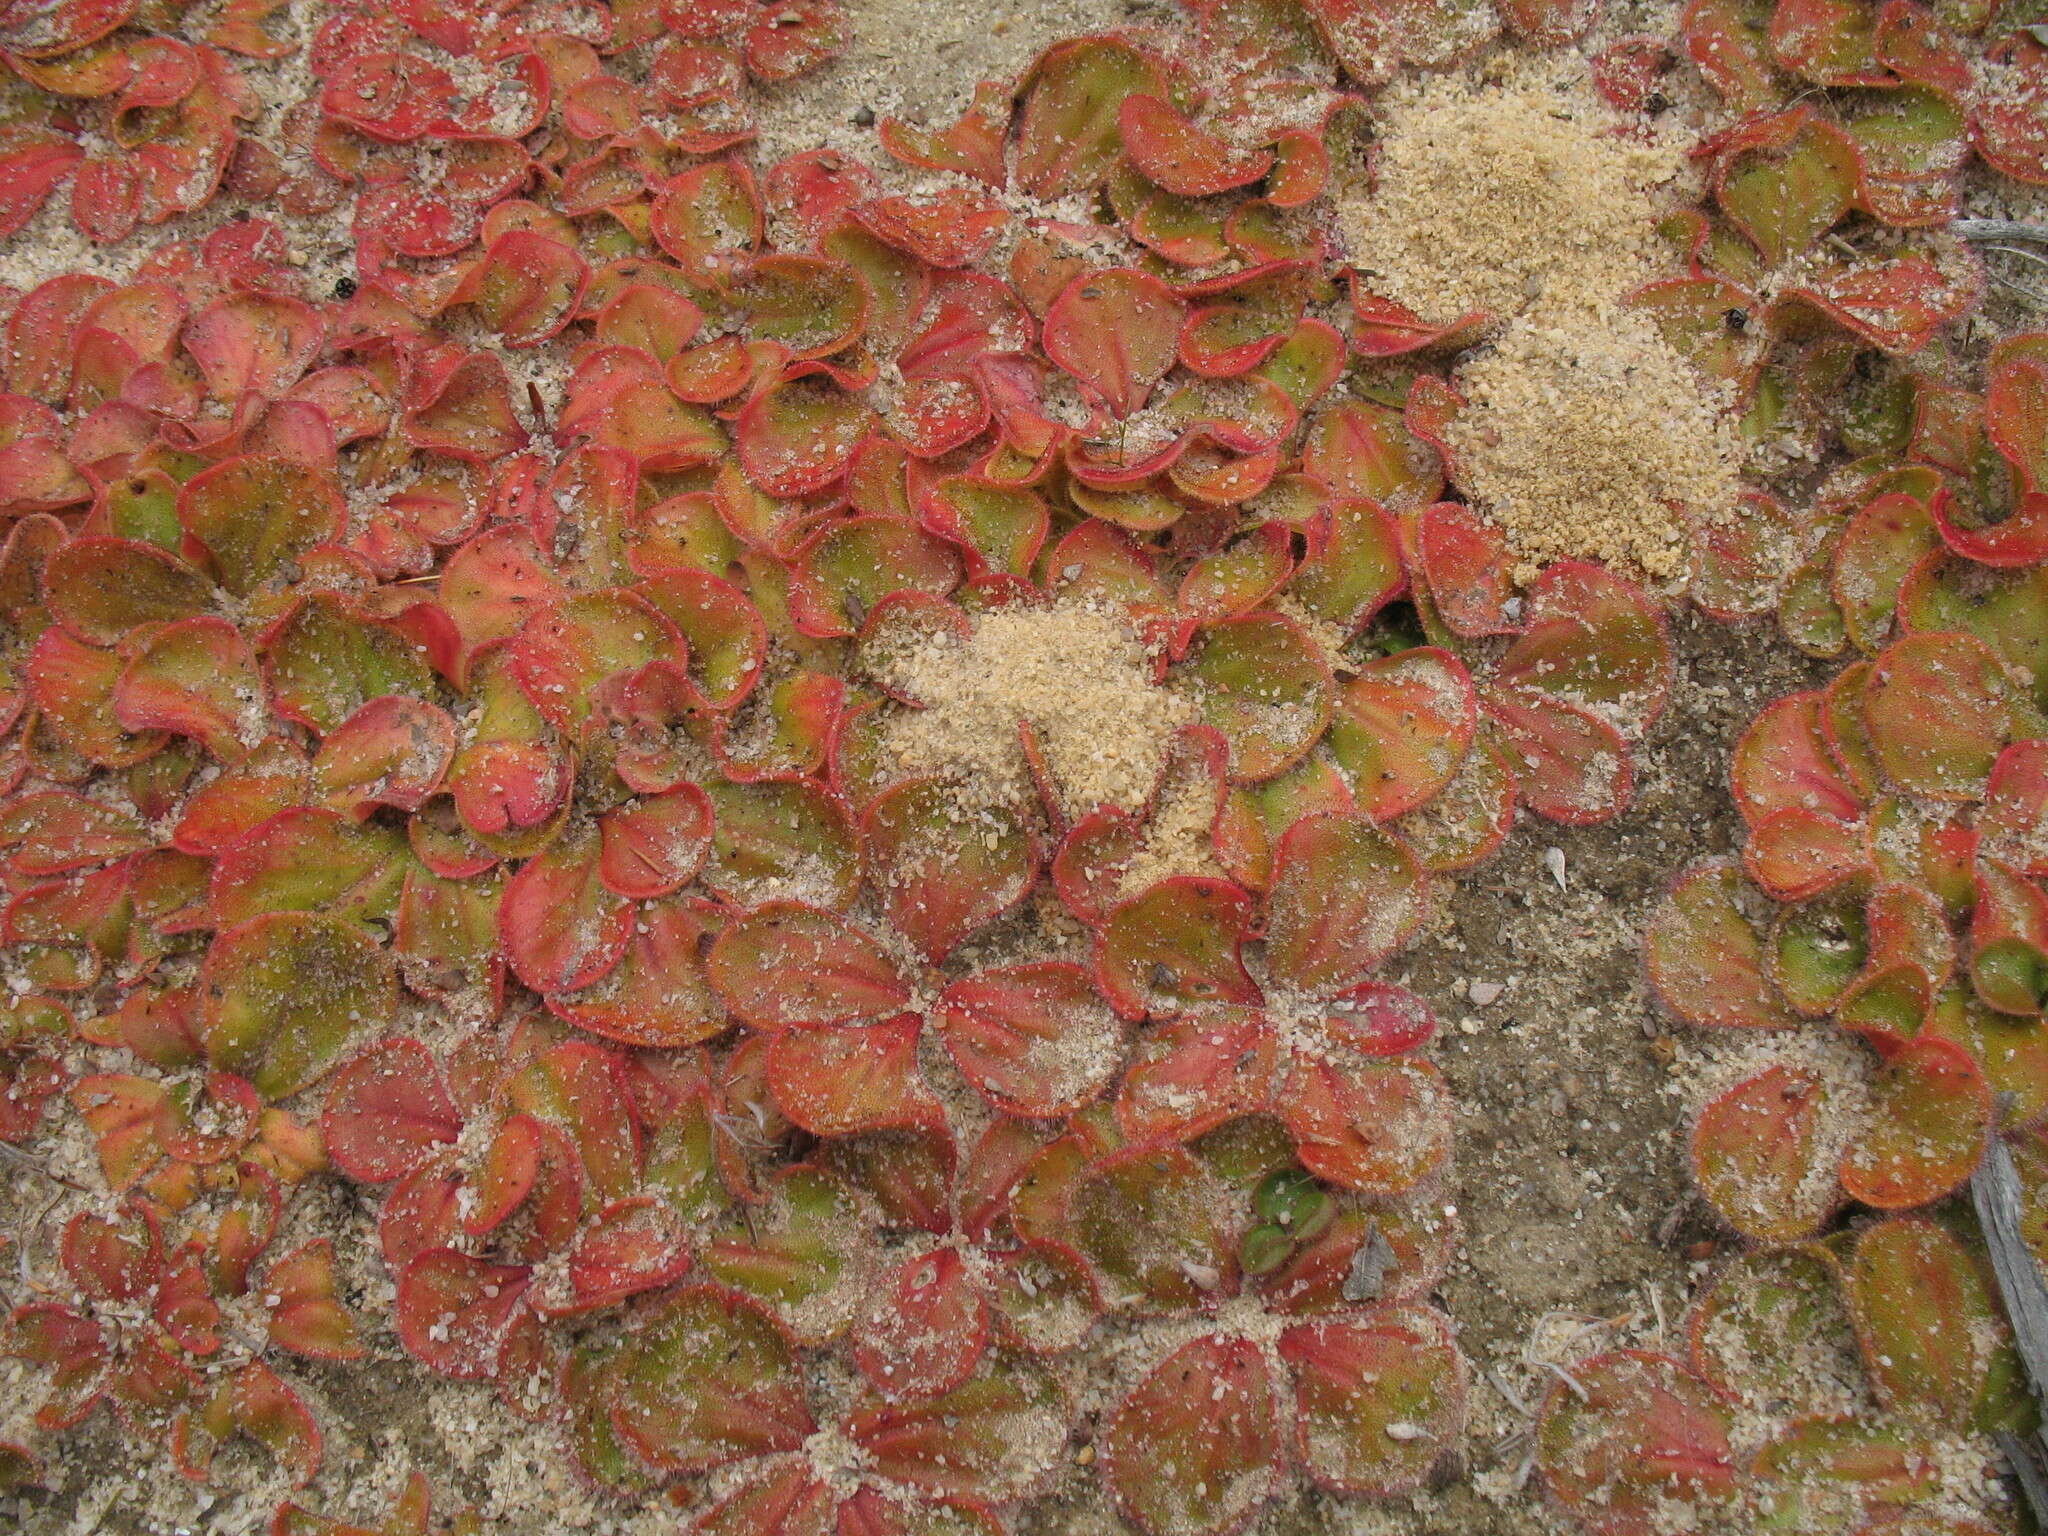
{"x":1646,"y":1437}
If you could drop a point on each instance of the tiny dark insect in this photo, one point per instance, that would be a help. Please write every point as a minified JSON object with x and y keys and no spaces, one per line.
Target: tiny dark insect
{"x":1736,"y":320}
{"x":1657,"y":103}
{"x":344,"y":287}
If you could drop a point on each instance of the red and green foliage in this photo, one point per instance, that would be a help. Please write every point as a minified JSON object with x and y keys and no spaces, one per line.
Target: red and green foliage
{"x":445,"y":753}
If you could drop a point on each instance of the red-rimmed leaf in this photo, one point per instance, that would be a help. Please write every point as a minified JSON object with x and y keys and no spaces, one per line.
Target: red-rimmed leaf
{"x":656,"y":845}
{"x":1930,"y":1111}
{"x":253,"y":341}
{"x":1238,"y":578}
{"x":1192,"y":1073}
{"x":1045,"y":1297}
{"x":1784,"y":762}
{"x":1264,"y":684}
{"x":1896,"y":305}
{"x":658,"y":995}
{"x":924,"y":1328}
{"x":1117,"y":332}
{"x":256,"y":1402}
{"x":1380,"y":1126}
{"x":1937,"y":714}
{"x":327,"y":658}
{"x":1345,"y":895}
{"x":561,"y":926}
{"x":949,"y":227}
{"x":1363,"y":449}
{"x":1570,"y":765}
{"x":1379,"y":1398}
{"x":309,"y":860}
{"x":1352,"y":567}
{"x":1593,"y":639}
{"x":386,"y":1112}
{"x":562,"y":654}
{"x":1764,"y":1323}
{"x":990,"y":1438}
{"x":32,"y":171}
{"x":525,"y":287}
{"x":1401,"y":727}
{"x":787,"y":964}
{"x":1069,"y":134}
{"x":1035,"y":1039}
{"x":1641,"y":1436}
{"x":783,"y":44}
{"x":1705,"y":954}
{"x":1786,"y":181}
{"x":1174,"y":945}
{"x":1373,"y":41}
{"x":393,"y":751}
{"x":943,"y":878}
{"x":808,"y":1248}
{"x":1836,"y":1471}
{"x":2009,"y":940}
{"x":1927,"y":1321}
{"x":465,"y":411}
{"x":1151,"y":1223}
{"x":2013,"y":821}
{"x":1879,"y":548}
{"x":1196,"y":1446}
{"x":100,"y":589}
{"x":1382,"y":328}
{"x":709,"y":220}
{"x":308,"y":1317}
{"x":843,"y":573}
{"x":799,"y":435}
{"x":773,"y":838}
{"x":632,"y":1246}
{"x":1757,"y":1155}
{"x":53,"y":832}
{"x":1466,"y":564}
{"x":453,"y":1311}
{"x":1172,"y":151}
{"x":724,"y":633}
{"x":972,"y":146}
{"x":198,"y":678}
{"x":282,"y":996}
{"x":840,"y":1080}
{"x":114,"y":1259}
{"x":257,"y":517}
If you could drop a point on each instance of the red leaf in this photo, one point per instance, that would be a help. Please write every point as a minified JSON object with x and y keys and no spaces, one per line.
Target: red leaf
{"x":386,"y":1112}
{"x":1036,"y":1039}
{"x":1345,"y":895}
{"x":453,"y":1311}
{"x":838,"y":1080}
{"x":1646,"y":1442}
{"x":923,"y":1328}
{"x":562,"y":929}
{"x":1176,"y":944}
{"x":1196,"y":1446}
{"x":1117,"y":332}
{"x":787,"y":964}
{"x":1169,"y":149}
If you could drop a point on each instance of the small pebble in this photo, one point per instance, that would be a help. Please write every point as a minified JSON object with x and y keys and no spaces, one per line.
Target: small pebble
{"x":1485,"y":993}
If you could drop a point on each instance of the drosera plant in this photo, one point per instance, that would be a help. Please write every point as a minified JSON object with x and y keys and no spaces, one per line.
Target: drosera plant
{"x":1878,"y":954}
{"x":513,"y":731}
